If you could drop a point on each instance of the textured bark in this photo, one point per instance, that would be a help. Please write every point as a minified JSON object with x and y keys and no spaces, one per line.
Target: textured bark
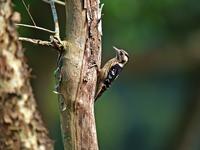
{"x":77,"y":78}
{"x":21,"y":126}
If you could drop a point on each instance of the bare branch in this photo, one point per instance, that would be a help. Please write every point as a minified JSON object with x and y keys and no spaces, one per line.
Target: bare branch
{"x":36,"y":41}
{"x":35,"y":27}
{"x":27,"y":9}
{"x":56,"y":1}
{"x":55,"y":18}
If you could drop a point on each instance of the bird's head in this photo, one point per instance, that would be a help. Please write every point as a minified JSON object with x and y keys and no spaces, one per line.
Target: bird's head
{"x":121,"y":55}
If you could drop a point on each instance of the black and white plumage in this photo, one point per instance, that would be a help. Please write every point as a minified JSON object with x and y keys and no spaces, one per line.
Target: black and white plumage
{"x":111,"y":71}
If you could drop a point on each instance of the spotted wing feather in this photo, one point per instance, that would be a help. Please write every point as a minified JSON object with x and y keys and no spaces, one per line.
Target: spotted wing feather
{"x":112,"y":74}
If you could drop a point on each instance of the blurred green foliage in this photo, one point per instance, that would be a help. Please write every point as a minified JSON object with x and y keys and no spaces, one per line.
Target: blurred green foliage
{"x":152,"y":104}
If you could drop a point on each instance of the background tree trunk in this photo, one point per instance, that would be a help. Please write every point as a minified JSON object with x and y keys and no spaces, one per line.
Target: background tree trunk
{"x":21,"y":126}
{"x":77,"y":78}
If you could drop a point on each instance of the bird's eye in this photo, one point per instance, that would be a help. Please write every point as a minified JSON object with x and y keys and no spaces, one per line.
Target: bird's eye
{"x":121,"y":53}
{"x":126,"y":54}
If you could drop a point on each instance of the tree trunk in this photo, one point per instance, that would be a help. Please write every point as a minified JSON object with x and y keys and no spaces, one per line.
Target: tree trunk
{"x":82,"y":48}
{"x":21,"y":126}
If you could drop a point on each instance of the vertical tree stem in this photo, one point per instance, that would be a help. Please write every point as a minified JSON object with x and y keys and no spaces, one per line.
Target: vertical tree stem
{"x":77,"y":79}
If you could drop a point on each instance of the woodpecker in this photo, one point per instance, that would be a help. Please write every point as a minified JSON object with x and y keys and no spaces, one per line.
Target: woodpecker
{"x":110,"y":71}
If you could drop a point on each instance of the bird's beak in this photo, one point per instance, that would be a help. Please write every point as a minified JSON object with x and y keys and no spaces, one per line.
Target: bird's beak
{"x":117,"y":50}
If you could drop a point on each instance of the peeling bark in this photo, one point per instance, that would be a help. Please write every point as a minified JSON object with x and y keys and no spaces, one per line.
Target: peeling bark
{"x":21,"y":126}
{"x":77,"y":79}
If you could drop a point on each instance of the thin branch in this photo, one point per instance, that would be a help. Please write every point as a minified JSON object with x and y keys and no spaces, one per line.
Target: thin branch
{"x":36,"y":41}
{"x":27,"y":9}
{"x":55,"y":18}
{"x":36,"y":27}
{"x":56,"y":1}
